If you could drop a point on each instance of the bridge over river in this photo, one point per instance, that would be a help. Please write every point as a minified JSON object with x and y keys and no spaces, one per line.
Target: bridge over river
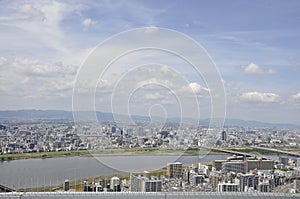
{"x":238,"y":153}
{"x":5,"y":189}
{"x":278,"y":151}
{"x":295,"y":154}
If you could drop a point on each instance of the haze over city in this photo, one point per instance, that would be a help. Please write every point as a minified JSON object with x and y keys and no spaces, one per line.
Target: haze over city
{"x":254,"y":44}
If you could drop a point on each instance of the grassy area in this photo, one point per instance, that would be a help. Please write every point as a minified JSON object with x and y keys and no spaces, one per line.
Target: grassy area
{"x":192,"y":151}
{"x":6,"y":157}
{"x":292,"y":149}
{"x":201,"y":151}
{"x":110,"y":152}
{"x":253,"y":151}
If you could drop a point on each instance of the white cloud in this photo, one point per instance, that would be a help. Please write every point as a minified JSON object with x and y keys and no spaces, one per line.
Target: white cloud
{"x":153,"y":96}
{"x":86,"y":23}
{"x":23,"y":77}
{"x":36,"y":28}
{"x":253,"y":68}
{"x":295,"y":100}
{"x":32,"y":12}
{"x":158,"y":97}
{"x":197,"y":88}
{"x":296,"y":96}
{"x":260,"y":97}
{"x":46,"y":26}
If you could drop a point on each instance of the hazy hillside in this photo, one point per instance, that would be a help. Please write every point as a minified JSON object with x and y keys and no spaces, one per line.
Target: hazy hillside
{"x":87,"y":115}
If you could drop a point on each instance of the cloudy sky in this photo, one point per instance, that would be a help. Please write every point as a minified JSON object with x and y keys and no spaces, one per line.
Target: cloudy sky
{"x":254,"y":44}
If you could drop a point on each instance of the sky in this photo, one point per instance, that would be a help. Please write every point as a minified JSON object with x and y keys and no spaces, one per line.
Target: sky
{"x":254,"y":45}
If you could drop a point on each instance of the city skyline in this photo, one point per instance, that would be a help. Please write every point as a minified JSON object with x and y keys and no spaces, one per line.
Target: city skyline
{"x":254,"y":45}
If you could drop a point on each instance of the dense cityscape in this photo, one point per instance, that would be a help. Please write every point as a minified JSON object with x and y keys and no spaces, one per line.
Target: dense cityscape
{"x":266,"y":169}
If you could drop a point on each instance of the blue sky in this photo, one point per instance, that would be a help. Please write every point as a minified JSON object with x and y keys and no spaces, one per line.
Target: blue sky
{"x":255,"y":45}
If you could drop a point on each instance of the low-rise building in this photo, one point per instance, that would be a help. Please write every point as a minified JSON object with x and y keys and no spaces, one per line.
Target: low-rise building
{"x":228,"y":187}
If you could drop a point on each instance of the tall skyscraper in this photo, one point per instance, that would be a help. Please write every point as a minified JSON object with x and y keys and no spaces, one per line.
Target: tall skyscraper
{"x":223,"y":135}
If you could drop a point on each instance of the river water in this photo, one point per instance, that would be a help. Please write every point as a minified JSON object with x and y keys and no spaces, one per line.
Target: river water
{"x":53,"y":171}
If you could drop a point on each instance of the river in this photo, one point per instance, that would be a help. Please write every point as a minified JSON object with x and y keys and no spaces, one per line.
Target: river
{"x":53,"y":171}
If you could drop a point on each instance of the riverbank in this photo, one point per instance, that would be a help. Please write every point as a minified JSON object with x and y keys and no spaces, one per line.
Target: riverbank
{"x":112,"y":152}
{"x":139,"y":152}
{"x":263,"y":151}
{"x":8,"y":157}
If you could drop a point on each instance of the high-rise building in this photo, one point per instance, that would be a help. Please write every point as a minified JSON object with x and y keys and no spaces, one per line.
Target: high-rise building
{"x":135,"y":183}
{"x":223,"y":135}
{"x":252,"y":165}
{"x":97,"y":187}
{"x":267,"y":165}
{"x":256,"y":182}
{"x":197,"y":179}
{"x":115,"y":184}
{"x":260,"y":164}
{"x":174,"y":170}
{"x":298,"y":162}
{"x":115,"y":181}
{"x":86,"y":186}
{"x":297,"y":186}
{"x":234,"y":166}
{"x":217,"y":164}
{"x":264,"y":187}
{"x":105,"y":183}
{"x":246,"y":181}
{"x":151,"y":185}
{"x":187,"y":175}
{"x":140,"y":131}
{"x":284,"y":160}
{"x":215,"y":178}
{"x":66,"y":185}
{"x":144,"y":184}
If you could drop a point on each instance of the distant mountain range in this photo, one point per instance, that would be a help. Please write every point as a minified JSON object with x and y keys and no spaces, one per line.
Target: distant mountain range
{"x":102,"y":116}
